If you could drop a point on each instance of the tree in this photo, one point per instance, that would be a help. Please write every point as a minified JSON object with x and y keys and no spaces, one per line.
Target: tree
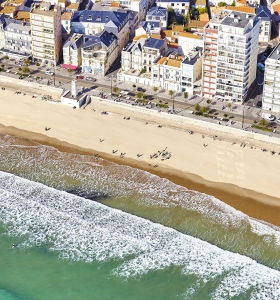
{"x":197,"y":107}
{"x":25,"y":70}
{"x":26,"y":61}
{"x":263,"y":122}
{"x":139,"y":95}
{"x":3,"y":66}
{"x":115,"y":89}
{"x":6,"y":57}
{"x":204,"y":109}
{"x":155,"y":89}
{"x":171,"y":93}
{"x":208,"y":101}
{"x":186,"y":94}
{"x":134,"y":86}
{"x":37,"y":64}
{"x":233,"y":3}
{"x":20,"y":69}
{"x":229,"y":106}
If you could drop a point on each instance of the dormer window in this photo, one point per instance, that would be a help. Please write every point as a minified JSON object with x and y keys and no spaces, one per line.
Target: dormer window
{"x":98,"y":18}
{"x":89,"y":18}
{"x":106,"y":18}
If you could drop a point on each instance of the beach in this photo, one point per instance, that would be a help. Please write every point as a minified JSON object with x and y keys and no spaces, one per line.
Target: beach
{"x":213,"y":163}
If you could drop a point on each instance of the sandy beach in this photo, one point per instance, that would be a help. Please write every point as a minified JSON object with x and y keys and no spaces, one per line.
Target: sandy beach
{"x":242,"y":176}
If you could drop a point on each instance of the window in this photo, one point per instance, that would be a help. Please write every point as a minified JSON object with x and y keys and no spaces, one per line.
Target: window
{"x":172,"y":4}
{"x":183,"y":4}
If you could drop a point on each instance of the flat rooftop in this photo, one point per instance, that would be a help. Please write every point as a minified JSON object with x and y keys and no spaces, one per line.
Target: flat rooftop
{"x":233,"y":18}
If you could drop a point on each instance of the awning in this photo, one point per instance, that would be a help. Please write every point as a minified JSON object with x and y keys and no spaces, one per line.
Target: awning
{"x":68,"y":66}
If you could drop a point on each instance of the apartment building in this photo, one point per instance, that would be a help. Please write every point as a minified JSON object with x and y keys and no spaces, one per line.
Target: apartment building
{"x":191,"y":71}
{"x":72,"y":50}
{"x":271,"y":87}
{"x":264,"y":15}
{"x":99,"y":53}
{"x":45,"y":20}
{"x":179,"y":6}
{"x":230,"y":55}
{"x":17,"y":39}
{"x":91,"y":22}
{"x":167,"y":72}
{"x":158,"y":14}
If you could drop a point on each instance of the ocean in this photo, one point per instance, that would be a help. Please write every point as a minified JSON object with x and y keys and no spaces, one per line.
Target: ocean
{"x":85,"y":228}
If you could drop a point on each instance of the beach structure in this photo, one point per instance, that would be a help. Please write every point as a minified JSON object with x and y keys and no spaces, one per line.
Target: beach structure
{"x":230,"y":55}
{"x":73,"y":98}
{"x":72,"y":51}
{"x":271,"y":85}
{"x":99,"y":52}
{"x":45,"y":20}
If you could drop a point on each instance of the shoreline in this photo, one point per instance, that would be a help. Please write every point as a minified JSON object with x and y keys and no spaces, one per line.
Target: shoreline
{"x":242,"y":176}
{"x":265,"y":208}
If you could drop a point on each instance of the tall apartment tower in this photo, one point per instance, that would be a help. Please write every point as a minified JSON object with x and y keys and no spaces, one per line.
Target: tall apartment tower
{"x":45,"y":21}
{"x":271,"y":87}
{"x":230,"y":55}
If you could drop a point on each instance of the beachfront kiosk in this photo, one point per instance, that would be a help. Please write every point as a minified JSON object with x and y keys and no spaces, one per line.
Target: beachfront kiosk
{"x":73,"y":98}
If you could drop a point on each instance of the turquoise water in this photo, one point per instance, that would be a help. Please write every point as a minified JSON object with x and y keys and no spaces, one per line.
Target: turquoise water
{"x":162,"y":242}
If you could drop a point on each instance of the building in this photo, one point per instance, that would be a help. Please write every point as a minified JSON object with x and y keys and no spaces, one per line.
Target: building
{"x":200,"y":3}
{"x":147,"y":27}
{"x":264,"y":15}
{"x":45,"y":20}
{"x":187,"y":41}
{"x":271,"y":87}
{"x":158,"y":14}
{"x":72,"y":51}
{"x":167,"y":72}
{"x":66,"y":23}
{"x":230,"y":55}
{"x":17,"y":39}
{"x":92,"y":22}
{"x":99,"y":53}
{"x":179,"y":6}
{"x":192,"y":71}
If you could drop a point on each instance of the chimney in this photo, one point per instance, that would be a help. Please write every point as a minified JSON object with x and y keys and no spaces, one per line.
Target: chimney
{"x":74,"y":88}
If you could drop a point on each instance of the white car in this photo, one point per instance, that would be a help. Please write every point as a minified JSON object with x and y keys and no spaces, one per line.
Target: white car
{"x":49,"y":73}
{"x":278,"y":120}
{"x":268,"y":116}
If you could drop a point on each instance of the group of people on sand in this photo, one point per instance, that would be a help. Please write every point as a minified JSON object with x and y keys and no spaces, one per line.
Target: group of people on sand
{"x":162,"y":154}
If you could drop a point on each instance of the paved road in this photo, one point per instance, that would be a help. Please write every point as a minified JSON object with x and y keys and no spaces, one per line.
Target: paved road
{"x":63,"y":80}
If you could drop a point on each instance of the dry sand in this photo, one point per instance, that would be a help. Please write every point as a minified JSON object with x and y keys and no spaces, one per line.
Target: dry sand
{"x":245,"y":178}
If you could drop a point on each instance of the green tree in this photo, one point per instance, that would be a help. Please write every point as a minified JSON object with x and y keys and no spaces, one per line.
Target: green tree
{"x":134,"y":86}
{"x":139,"y":95}
{"x":20,"y":69}
{"x":37,"y":64}
{"x":263,"y":122}
{"x":27,"y":61}
{"x":186,"y":94}
{"x":204,"y":109}
{"x":70,"y":71}
{"x":3,"y":66}
{"x":233,"y":3}
{"x":6,"y":57}
{"x":115,"y":89}
{"x":155,"y":89}
{"x":208,"y":101}
{"x":197,"y":107}
{"x":25,"y":70}
{"x":229,"y":106}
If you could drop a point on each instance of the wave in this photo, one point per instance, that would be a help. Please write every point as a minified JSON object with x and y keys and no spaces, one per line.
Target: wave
{"x":80,"y":229}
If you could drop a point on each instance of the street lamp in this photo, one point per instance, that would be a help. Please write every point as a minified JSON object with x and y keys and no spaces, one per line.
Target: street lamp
{"x":53,"y":65}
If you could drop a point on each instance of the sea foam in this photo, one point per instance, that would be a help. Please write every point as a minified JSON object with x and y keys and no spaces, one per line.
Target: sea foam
{"x":79,"y":229}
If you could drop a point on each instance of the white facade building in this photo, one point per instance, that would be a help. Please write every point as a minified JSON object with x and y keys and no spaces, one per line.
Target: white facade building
{"x":271,"y":88}
{"x":45,"y":21}
{"x":72,"y":50}
{"x":230,"y":55}
{"x":179,"y":6}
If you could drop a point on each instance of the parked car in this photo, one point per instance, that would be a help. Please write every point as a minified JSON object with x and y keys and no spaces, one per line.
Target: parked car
{"x":268,"y":116}
{"x":278,"y":120}
{"x":90,"y":79}
{"x":49,"y":73}
{"x":261,"y":66}
{"x":259,"y":104}
{"x":80,"y":77}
